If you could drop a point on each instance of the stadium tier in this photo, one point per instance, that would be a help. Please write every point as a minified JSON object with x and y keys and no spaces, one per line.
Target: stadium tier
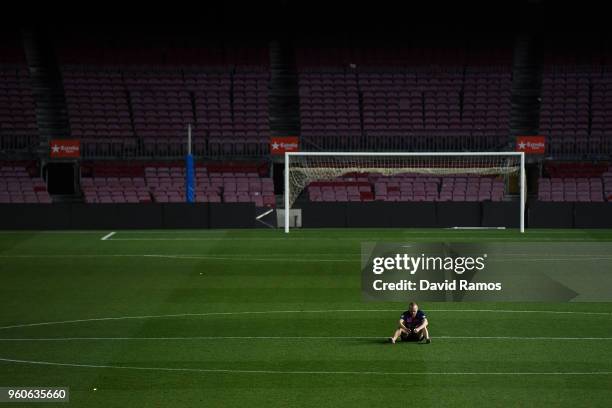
{"x":429,"y":107}
{"x":139,"y":104}
{"x":411,"y":98}
{"x":146,"y":112}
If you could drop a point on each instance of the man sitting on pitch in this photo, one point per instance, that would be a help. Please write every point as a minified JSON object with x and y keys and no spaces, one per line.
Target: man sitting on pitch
{"x":412,"y":326}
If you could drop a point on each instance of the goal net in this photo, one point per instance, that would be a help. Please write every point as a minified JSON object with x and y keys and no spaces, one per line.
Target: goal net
{"x":304,"y":168}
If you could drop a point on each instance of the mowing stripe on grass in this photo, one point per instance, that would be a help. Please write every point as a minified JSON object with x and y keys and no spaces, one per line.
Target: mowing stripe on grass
{"x":285,"y":372}
{"x":305,"y":338}
{"x":98,"y":319}
{"x":247,"y":257}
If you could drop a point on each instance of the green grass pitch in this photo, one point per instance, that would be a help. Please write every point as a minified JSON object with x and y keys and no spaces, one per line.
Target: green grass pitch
{"x":255,"y":318}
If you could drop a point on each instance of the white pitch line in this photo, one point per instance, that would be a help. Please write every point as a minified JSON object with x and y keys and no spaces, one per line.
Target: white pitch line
{"x":389,"y":239}
{"x":244,"y":258}
{"x":517,"y":338}
{"x":107,"y":236}
{"x":284,"y":372}
{"x":50,"y":232}
{"x":196,"y":338}
{"x":98,"y":319}
{"x":306,"y":338}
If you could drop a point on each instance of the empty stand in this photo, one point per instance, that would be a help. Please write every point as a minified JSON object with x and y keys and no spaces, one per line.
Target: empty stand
{"x":394,"y":99}
{"x":18,"y":129}
{"x":570,"y":189}
{"x":575,"y":182}
{"x":408,"y":188}
{"x":98,"y":109}
{"x":564,"y":115}
{"x":329,"y":106}
{"x":163,"y":183}
{"x":17,"y":185}
{"x":161,"y":110}
{"x":135,"y":112}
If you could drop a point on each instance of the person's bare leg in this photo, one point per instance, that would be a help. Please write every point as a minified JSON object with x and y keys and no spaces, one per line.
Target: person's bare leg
{"x":397,"y":333}
{"x":426,"y":333}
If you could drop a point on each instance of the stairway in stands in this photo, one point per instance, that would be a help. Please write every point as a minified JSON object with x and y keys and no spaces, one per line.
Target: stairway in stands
{"x":526,"y":78}
{"x":48,"y":92}
{"x":283,"y":97}
{"x":47,"y":88}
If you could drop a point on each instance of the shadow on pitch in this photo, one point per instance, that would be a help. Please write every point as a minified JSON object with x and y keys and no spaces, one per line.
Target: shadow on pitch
{"x":385,"y":340}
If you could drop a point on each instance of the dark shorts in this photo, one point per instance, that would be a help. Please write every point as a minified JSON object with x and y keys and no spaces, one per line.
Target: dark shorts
{"x":412,"y":336}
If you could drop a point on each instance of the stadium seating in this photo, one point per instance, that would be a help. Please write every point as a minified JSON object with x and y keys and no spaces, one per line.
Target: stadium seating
{"x":138,"y":102}
{"x":358,"y":189}
{"x":18,"y":186}
{"x":576,"y":109}
{"x":398,"y":102}
{"x":166,"y":184}
{"x":575,"y":182}
{"x":570,"y":189}
{"x":146,"y":112}
{"x":231,"y":111}
{"x":564,"y":114}
{"x":394,"y":98}
{"x":161,"y":110}
{"x":329,"y":105}
{"x":600,"y":137}
{"x":115,"y":190}
{"x":98,"y":109}
{"x":407,"y":188}
{"x":18,"y":129}
{"x":607,"y":182}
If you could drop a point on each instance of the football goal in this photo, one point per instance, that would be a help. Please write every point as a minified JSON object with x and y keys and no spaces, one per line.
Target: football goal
{"x":485,"y":170}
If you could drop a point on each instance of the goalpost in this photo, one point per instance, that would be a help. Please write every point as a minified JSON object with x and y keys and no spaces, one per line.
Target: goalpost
{"x":302,"y":168}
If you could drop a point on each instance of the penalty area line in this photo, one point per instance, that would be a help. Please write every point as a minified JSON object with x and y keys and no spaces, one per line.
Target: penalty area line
{"x":285,"y":372}
{"x":264,"y":312}
{"x":107,"y":236}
